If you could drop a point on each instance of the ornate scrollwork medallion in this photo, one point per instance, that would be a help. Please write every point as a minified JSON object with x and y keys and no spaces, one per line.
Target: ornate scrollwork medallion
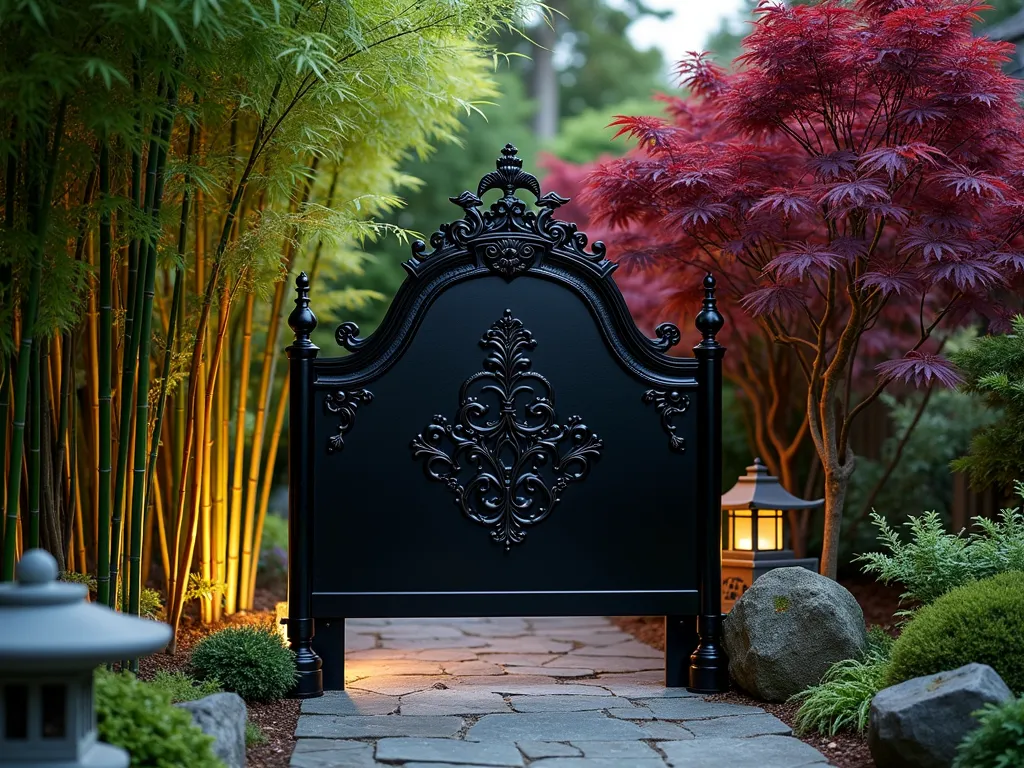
{"x":345,"y":405}
{"x":508,"y":256}
{"x":669,"y":404}
{"x":506,"y":458}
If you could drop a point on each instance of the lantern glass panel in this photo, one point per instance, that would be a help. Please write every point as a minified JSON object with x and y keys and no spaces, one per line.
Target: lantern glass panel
{"x":741,"y":529}
{"x":55,"y":709}
{"x":769,"y":529}
{"x":16,"y":712}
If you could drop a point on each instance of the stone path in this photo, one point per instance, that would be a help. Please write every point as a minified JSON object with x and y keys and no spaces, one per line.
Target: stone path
{"x":541,"y":692}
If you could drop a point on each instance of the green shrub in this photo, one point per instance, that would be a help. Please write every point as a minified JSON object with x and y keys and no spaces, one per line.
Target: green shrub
{"x":979,"y":622}
{"x":151,"y":605}
{"x":254,"y":735}
{"x":73,"y":577}
{"x":181,"y":687}
{"x":993,"y":368}
{"x":140,"y":718}
{"x":999,"y":741}
{"x":933,"y":562}
{"x":842,"y":700}
{"x":251,"y":661}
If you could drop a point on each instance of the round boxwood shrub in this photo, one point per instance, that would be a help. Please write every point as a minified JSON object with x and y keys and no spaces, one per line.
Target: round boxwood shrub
{"x":978,"y":622}
{"x":140,"y":718}
{"x":251,"y":661}
{"x":999,"y":740}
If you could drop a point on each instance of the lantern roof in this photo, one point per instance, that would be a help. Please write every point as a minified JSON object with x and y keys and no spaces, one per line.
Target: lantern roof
{"x":48,"y":625}
{"x":759,"y":490}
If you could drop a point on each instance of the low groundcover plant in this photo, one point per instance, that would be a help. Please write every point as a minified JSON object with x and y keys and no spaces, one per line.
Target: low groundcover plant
{"x":842,"y":700}
{"x":140,"y":718}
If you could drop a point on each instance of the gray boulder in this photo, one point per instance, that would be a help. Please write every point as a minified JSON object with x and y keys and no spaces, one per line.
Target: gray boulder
{"x":787,"y":629}
{"x":920,"y":722}
{"x":222,"y":716}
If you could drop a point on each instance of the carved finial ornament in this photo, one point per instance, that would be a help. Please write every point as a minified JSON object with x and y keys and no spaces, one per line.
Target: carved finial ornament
{"x":302,"y":320}
{"x":709,"y":321}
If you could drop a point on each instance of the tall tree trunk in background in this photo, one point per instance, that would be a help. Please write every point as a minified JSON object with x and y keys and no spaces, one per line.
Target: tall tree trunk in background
{"x":545,"y":78}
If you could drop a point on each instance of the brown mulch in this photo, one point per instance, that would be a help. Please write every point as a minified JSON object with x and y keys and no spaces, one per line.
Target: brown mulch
{"x":846,"y":749}
{"x":277,"y":719}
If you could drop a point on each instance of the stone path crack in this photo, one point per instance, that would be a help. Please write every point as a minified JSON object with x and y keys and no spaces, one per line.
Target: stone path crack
{"x":516,"y":692}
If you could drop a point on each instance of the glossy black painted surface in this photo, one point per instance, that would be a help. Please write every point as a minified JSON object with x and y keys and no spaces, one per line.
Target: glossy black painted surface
{"x":507,"y":443}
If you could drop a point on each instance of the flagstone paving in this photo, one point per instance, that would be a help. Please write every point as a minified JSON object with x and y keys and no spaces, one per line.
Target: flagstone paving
{"x":510,"y":693}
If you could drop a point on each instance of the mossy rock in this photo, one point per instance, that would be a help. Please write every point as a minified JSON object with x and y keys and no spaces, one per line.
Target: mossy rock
{"x":981,"y":622}
{"x":788,"y":629}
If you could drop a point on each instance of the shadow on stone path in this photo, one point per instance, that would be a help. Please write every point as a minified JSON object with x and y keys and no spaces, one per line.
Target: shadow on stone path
{"x":542,"y":692}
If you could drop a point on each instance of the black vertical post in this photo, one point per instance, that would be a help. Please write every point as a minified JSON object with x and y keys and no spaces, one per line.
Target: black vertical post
{"x":709,"y":667}
{"x":301,"y":354}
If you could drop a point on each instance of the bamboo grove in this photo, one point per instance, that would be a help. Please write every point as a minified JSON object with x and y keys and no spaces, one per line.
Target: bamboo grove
{"x":167,"y":166}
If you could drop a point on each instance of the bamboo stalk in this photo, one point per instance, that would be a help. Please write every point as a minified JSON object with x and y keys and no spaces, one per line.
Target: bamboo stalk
{"x":133,"y":306}
{"x":63,"y":468}
{"x":236,"y":487}
{"x":5,"y":403}
{"x":79,"y":535}
{"x":220,"y":450}
{"x":35,"y":427}
{"x":155,"y":201}
{"x":165,"y":559}
{"x":268,"y":481}
{"x":203,"y":489}
{"x":104,"y":400}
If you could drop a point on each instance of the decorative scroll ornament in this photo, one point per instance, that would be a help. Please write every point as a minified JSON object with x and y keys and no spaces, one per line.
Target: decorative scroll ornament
{"x":669,"y":404}
{"x":347,"y":336}
{"x":345,"y":404}
{"x":508,"y":238}
{"x":668,"y":336}
{"x":506,"y":459}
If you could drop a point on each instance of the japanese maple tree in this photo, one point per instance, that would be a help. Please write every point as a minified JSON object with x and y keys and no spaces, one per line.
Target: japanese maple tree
{"x":766,"y":375}
{"x":857,"y":186}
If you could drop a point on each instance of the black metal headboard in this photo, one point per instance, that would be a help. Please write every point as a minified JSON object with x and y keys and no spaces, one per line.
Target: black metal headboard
{"x":506,"y":443}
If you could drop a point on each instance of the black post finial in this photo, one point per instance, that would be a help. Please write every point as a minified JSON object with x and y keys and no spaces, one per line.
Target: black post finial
{"x":302,"y":320}
{"x":709,"y":320}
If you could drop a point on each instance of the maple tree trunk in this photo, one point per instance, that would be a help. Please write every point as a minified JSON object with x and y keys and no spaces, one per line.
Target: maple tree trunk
{"x":837,"y":481}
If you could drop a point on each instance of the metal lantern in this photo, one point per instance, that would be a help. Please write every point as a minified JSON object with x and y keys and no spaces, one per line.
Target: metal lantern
{"x":754,"y":535}
{"x":51,"y":640}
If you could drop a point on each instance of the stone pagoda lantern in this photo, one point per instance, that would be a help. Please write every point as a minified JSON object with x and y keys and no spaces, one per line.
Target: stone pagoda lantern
{"x":754,"y":538}
{"x":51,"y":640}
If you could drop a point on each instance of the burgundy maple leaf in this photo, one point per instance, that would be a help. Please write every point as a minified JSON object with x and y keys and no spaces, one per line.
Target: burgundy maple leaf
{"x":833,"y":165}
{"x":774,"y":298}
{"x":854,"y":193}
{"x":966,"y":181}
{"x":800,"y":258}
{"x":919,"y":368}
